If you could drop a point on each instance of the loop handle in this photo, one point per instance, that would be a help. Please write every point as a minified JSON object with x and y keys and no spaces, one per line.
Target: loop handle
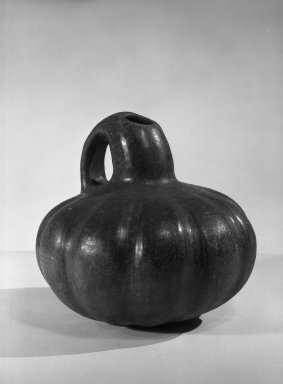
{"x":138,"y":146}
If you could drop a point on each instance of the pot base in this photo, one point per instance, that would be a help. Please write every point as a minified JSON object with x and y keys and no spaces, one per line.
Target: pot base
{"x":178,"y":327}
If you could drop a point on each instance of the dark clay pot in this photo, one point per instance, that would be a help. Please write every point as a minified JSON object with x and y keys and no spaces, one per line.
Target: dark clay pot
{"x":142,"y":248}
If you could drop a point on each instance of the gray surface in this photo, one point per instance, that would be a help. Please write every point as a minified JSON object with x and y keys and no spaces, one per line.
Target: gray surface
{"x":42,"y":341}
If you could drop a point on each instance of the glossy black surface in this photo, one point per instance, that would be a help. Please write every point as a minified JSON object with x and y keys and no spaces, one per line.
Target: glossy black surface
{"x":142,"y":248}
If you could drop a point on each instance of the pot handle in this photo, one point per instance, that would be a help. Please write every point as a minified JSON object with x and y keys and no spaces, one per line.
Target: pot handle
{"x":139,"y":149}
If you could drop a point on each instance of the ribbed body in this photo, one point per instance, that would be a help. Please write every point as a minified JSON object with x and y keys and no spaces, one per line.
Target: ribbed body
{"x":146,"y":254}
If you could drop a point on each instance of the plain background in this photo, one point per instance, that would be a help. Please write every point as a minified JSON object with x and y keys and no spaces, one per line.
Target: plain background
{"x":209,"y":72}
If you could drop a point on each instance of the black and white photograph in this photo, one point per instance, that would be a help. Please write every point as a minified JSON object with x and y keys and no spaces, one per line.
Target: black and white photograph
{"x":141,"y":235}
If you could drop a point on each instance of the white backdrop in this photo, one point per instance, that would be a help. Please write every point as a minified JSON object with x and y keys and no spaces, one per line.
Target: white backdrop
{"x":209,"y":72}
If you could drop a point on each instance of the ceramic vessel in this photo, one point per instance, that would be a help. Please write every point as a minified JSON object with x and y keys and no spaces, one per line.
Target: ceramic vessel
{"x":142,"y":248}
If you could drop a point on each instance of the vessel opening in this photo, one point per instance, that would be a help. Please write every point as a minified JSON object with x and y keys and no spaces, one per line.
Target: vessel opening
{"x":139,"y":120}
